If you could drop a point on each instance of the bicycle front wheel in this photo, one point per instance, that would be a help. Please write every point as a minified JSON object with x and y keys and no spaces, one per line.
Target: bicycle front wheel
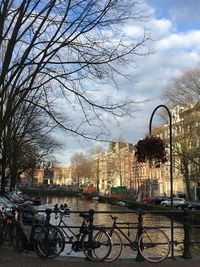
{"x":116,"y":246}
{"x":96,"y":244}
{"x":154,"y":245}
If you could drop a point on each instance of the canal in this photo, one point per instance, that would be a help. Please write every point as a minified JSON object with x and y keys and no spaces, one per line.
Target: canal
{"x":151,"y":220}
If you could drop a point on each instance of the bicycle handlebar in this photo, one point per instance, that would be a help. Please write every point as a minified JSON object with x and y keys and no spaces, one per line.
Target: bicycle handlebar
{"x":63,"y":209}
{"x":88,"y":216}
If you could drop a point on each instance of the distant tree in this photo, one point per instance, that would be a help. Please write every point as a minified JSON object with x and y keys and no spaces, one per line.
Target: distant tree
{"x":81,"y":168}
{"x":95,"y":154}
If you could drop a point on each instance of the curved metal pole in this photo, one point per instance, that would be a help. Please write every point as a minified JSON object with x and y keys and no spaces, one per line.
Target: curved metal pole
{"x":171,"y":163}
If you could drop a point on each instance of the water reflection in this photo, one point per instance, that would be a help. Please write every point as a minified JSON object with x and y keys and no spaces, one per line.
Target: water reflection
{"x":82,"y":204}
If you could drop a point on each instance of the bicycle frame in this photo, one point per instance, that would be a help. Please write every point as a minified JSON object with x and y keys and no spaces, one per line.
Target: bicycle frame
{"x":130,"y":241}
{"x":139,"y":229}
{"x":70,"y":239}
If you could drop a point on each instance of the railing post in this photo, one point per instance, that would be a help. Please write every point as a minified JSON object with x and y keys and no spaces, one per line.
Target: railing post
{"x":48,"y":216}
{"x":139,"y":257}
{"x":90,"y":234}
{"x":186,"y":242}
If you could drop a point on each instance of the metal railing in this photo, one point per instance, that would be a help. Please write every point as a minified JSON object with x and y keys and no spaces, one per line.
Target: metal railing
{"x":181,"y":216}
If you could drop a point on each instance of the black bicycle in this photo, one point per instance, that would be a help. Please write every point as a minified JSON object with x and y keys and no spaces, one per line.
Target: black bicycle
{"x":151,"y":243}
{"x":93,"y":241}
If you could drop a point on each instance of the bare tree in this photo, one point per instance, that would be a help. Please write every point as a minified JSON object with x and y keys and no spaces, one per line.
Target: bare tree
{"x":95,"y":155}
{"x":24,"y":142}
{"x":64,"y":49}
{"x":184,"y":90}
{"x":184,"y":93}
{"x":82,"y":168}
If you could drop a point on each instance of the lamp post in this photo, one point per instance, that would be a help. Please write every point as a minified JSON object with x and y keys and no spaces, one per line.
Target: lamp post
{"x":171,"y":164}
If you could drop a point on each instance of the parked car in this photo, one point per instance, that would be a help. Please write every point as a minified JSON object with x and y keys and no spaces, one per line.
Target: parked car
{"x":176,"y":201}
{"x":194,"y":206}
{"x":157,"y":200}
{"x":185,"y":205}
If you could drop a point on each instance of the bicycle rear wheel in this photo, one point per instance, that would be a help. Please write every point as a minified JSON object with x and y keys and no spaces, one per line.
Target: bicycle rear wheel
{"x":40,"y":241}
{"x":154,"y":245}
{"x":56,"y":241}
{"x":96,"y":244}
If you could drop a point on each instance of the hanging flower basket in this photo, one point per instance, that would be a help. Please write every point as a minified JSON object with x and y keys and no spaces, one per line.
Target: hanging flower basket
{"x":151,"y":149}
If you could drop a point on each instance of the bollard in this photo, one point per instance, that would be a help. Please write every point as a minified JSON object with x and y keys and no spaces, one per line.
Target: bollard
{"x":139,"y":257}
{"x":186,"y":242}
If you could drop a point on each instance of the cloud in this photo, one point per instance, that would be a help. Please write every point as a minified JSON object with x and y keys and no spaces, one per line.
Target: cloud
{"x":189,"y":41}
{"x":161,"y":27}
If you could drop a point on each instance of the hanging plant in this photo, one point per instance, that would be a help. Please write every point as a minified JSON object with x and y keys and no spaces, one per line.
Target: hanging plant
{"x":151,"y":149}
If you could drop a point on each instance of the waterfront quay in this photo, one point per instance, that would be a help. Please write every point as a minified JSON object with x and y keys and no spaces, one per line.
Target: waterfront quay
{"x":9,"y":258}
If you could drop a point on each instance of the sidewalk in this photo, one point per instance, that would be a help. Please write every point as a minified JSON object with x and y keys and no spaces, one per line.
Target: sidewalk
{"x":12,"y":259}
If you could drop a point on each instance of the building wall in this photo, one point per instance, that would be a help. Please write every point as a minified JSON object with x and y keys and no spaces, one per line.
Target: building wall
{"x":38,"y":176}
{"x":54,"y":175}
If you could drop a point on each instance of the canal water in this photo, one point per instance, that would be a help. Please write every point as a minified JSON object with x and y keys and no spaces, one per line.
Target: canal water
{"x":151,"y":220}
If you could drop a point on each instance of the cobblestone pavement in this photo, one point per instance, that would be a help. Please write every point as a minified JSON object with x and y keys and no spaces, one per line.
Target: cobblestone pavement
{"x":9,"y":258}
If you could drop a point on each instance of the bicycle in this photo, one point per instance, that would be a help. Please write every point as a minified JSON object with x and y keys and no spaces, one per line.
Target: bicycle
{"x":6,"y":218}
{"x":37,"y":240}
{"x":151,"y":243}
{"x":93,"y":241}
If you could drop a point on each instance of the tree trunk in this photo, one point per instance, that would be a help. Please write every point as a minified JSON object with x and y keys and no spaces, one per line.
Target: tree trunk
{"x":13,"y":181}
{"x":187,"y":181}
{"x":3,"y":176}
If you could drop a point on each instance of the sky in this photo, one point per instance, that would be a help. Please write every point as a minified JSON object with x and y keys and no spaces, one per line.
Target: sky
{"x":175,"y":29}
